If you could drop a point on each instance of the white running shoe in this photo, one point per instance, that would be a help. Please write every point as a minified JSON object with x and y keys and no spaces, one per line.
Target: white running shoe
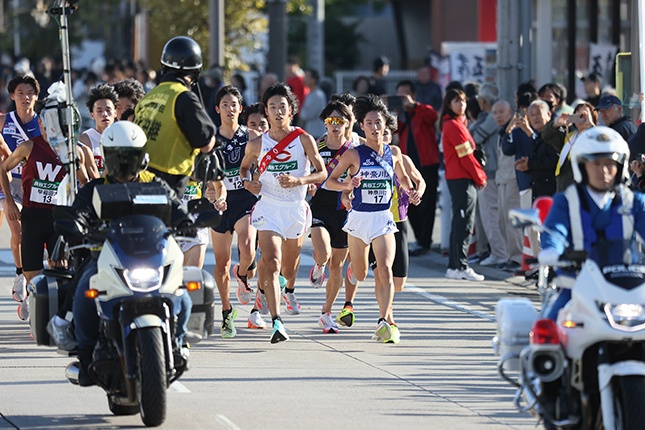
{"x":383,"y":332}
{"x":244,"y":292}
{"x":468,"y":274}
{"x":23,"y":310}
{"x":327,"y":323}
{"x":492,"y":261}
{"x":256,"y":321}
{"x":19,"y":290}
{"x":317,"y":276}
{"x":350,"y":275}
{"x":293,"y":307}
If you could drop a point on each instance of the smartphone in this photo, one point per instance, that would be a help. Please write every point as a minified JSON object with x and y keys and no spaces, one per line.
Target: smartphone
{"x":395,"y":103}
{"x":521,"y":113}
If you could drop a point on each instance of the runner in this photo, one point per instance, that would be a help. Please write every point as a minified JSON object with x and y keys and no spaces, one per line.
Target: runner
{"x":327,"y":236}
{"x":372,"y":167}
{"x":237,"y":203}
{"x":18,"y":126}
{"x":281,"y":216}
{"x":101,"y":103}
{"x":42,"y":173}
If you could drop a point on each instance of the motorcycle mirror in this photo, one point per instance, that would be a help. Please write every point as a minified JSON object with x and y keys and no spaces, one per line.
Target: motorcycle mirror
{"x":521,"y":218}
{"x":209,"y":218}
{"x":199,"y":205}
{"x":69,"y":228}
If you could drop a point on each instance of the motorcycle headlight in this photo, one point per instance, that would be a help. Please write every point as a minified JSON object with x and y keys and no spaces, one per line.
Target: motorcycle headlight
{"x":143,"y":279}
{"x":626,"y":316}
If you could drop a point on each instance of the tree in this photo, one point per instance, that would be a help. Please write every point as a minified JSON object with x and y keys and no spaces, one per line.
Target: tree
{"x":245,"y":24}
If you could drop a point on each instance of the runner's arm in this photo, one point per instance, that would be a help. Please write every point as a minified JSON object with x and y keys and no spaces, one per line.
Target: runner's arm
{"x":348,"y":162}
{"x":311,"y":150}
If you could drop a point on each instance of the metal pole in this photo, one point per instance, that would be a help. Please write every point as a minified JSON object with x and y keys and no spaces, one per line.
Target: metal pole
{"x":64,"y":8}
{"x":641,"y":46}
{"x":277,"y":57}
{"x":527,"y":23}
{"x":316,"y":37}
{"x":216,"y":11}
{"x":16,"y":28}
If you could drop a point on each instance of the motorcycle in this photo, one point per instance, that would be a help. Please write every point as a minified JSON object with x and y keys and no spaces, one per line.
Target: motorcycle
{"x":136,"y":289}
{"x":587,"y":369}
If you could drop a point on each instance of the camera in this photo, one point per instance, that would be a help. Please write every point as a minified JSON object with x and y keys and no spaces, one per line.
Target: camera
{"x":395,"y":104}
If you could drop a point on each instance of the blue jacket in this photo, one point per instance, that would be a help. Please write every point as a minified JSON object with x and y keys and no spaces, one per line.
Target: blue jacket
{"x":520,"y":145}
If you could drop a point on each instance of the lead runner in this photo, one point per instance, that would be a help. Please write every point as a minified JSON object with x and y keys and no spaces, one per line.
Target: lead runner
{"x":284,"y":156}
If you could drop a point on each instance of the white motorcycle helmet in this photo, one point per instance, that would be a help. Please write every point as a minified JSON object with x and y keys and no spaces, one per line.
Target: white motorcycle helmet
{"x":595,"y":143}
{"x":124,"y":150}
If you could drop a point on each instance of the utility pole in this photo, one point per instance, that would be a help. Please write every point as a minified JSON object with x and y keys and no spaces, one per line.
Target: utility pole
{"x":216,"y":38}
{"x":277,"y":37}
{"x":508,"y":48}
{"x":316,"y":37}
{"x":527,"y":22}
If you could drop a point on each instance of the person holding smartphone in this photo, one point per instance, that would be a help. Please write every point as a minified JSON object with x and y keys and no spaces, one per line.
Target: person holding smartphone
{"x":562,"y":133}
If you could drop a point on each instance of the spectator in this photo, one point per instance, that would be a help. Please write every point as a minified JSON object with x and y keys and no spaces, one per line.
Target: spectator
{"x":428,"y":92}
{"x":508,"y":193}
{"x":557,"y":134}
{"x":266,"y":81}
{"x":592,"y":84}
{"x":610,"y":112}
{"x":552,"y":94}
{"x":417,"y":139}
{"x":315,"y":102}
{"x":380,"y":69}
{"x":361,"y":86}
{"x":486,"y":137}
{"x":464,"y":175}
{"x":238,"y":81}
{"x":295,"y":78}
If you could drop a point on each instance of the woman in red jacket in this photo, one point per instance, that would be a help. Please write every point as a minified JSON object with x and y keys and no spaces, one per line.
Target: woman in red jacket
{"x":464,"y":175}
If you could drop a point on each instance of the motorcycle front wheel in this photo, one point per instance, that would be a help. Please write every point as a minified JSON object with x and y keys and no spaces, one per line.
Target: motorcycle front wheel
{"x":152,"y":371}
{"x":118,"y":409}
{"x":630,"y":395}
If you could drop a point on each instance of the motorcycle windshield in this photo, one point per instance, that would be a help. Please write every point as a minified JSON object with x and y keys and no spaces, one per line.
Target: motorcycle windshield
{"x":138,"y":236}
{"x":622,"y":262}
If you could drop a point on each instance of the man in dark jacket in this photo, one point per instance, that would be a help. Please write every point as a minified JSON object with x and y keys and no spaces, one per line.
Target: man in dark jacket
{"x":610,"y":112}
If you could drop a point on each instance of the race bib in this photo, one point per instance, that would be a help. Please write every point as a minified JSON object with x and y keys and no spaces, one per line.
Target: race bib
{"x":376,"y":192}
{"x":232,"y":179}
{"x":192,"y":192}
{"x":286,"y":168}
{"x":44,"y":192}
{"x":98,"y":160}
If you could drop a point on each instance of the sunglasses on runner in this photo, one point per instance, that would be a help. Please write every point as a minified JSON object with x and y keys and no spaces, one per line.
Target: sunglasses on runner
{"x":335,"y":120}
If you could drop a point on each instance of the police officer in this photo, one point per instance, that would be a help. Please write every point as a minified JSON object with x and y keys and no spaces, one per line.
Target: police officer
{"x":172,"y":116}
{"x":597,"y":206}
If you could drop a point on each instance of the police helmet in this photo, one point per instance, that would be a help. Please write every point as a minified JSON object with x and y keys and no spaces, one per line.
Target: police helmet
{"x":183,"y":54}
{"x":124,"y":150}
{"x":596,"y":143}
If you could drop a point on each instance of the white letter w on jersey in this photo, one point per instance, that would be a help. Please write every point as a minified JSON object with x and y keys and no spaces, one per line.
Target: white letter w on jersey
{"x":45,"y":172}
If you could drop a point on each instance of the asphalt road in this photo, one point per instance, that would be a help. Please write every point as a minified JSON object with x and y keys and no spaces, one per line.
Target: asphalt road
{"x":442,"y":375}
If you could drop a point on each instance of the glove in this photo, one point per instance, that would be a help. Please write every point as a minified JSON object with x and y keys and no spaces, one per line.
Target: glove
{"x":187,"y":228}
{"x":548,"y":257}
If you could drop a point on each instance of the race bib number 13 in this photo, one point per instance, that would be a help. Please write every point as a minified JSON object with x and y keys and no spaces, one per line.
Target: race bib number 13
{"x":44,"y":192}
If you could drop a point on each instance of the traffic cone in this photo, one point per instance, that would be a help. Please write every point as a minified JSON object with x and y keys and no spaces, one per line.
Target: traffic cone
{"x":527,"y":253}
{"x":472,"y":249}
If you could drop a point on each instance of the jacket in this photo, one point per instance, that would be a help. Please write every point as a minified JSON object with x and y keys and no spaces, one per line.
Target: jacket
{"x":458,"y":152}
{"x":422,"y":123}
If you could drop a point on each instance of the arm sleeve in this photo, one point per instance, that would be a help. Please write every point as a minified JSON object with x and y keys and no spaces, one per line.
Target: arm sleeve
{"x":639,"y":213}
{"x":554,"y":136}
{"x":484,"y":131}
{"x":427,"y":112}
{"x":193,"y":120}
{"x":83,"y":202}
{"x":508,"y":148}
{"x":459,"y":138}
{"x":558,"y":222}
{"x":546,"y":159}
{"x":312,"y":107}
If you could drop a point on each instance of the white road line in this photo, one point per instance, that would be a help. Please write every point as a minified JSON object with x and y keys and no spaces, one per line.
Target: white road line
{"x":179,"y":387}
{"x":227,"y":423}
{"x":447,"y":302}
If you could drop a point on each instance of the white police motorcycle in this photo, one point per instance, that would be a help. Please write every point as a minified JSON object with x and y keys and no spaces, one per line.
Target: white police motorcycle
{"x":587,"y":370}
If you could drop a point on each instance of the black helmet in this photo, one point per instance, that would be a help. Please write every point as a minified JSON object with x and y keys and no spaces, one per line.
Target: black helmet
{"x":182,"y":53}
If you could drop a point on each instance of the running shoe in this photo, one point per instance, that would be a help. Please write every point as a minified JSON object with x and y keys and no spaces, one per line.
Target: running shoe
{"x":62,"y":333}
{"x":244,"y":292}
{"x":279,"y":332}
{"x":383,"y":331}
{"x":396,"y":335}
{"x":317,"y":276}
{"x":261,"y":302}
{"x":283,"y":283}
{"x":256,"y":321}
{"x":346,"y":316}
{"x":228,"y":327}
{"x":19,"y":290}
{"x":23,"y":310}
{"x":327,"y":324}
{"x":350,"y":275}
{"x":293,"y":307}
